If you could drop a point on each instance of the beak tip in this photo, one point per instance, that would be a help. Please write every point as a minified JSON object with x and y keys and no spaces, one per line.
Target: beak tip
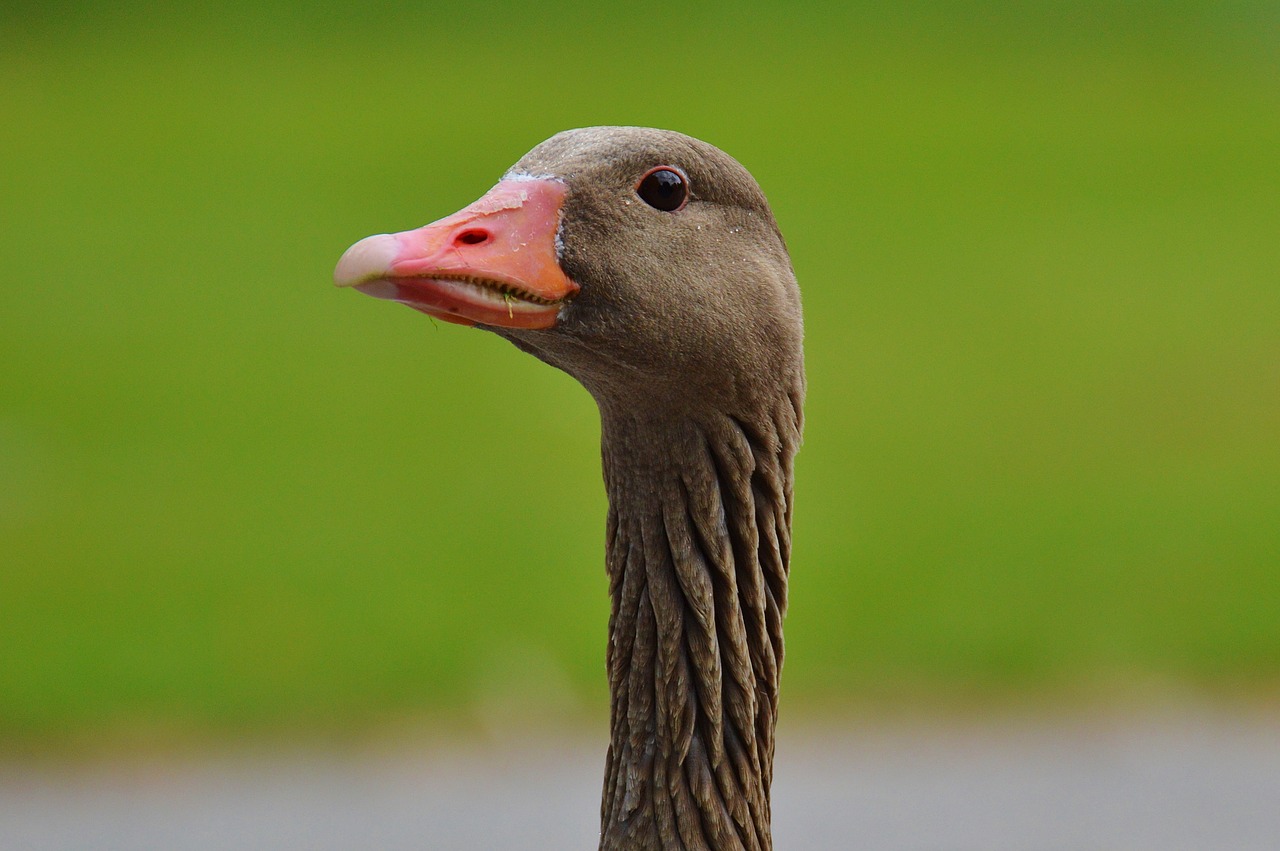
{"x":368,"y":259}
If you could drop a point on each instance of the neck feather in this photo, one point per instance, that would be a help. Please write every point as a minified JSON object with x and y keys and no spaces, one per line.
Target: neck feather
{"x":699,"y":542}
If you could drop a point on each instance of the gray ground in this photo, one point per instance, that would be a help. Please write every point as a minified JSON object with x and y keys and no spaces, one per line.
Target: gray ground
{"x":1167,"y":782}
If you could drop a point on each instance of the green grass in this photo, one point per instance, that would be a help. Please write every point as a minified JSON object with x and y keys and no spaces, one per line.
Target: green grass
{"x":1042,"y":278}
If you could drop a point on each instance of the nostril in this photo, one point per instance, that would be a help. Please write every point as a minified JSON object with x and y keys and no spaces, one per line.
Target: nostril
{"x":475,"y":236}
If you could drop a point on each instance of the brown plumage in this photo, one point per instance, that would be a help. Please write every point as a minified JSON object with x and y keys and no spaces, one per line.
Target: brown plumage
{"x":685,"y":326}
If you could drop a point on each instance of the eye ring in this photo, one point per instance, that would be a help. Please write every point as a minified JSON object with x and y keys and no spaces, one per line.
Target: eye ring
{"x":664,"y":188}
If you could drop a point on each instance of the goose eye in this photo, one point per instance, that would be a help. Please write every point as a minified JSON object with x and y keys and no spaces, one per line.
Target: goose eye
{"x":663,"y":189}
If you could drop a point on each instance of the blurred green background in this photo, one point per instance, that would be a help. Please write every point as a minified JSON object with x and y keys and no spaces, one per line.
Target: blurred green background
{"x":1040,"y":250}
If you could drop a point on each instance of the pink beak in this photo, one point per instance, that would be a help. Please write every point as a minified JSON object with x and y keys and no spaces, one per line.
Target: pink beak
{"x":491,"y":263}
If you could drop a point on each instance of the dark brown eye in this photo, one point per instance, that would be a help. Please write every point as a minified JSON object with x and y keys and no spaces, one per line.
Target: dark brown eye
{"x":664,"y":189}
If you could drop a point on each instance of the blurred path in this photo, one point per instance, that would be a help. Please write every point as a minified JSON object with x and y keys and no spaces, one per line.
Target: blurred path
{"x":1166,"y":783}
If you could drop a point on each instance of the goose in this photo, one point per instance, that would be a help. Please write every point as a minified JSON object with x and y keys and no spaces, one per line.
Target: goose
{"x":648,"y":265}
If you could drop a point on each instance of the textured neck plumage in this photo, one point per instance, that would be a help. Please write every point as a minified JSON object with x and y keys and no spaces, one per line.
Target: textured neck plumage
{"x":699,"y":541}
